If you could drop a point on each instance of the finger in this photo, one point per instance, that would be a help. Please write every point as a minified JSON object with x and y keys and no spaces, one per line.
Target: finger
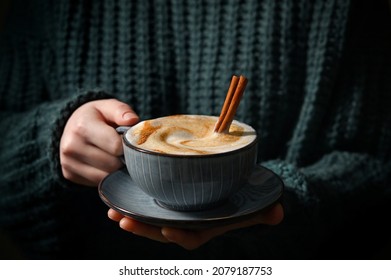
{"x":81,"y":173}
{"x":142,"y":229}
{"x":189,"y":240}
{"x":116,"y":112}
{"x":77,"y":179}
{"x":114,"y":215}
{"x":93,"y":156}
{"x":87,"y":128}
{"x":193,"y":239}
{"x":102,"y":136}
{"x":272,"y":215}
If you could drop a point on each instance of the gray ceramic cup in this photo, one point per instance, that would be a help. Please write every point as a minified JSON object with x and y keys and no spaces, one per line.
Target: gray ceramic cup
{"x":189,"y":182}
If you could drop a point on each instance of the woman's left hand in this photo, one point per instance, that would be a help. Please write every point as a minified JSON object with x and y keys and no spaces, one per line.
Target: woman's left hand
{"x":192,"y":239}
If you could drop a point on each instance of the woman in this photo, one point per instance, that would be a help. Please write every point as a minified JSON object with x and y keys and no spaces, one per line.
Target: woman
{"x":317,"y":93}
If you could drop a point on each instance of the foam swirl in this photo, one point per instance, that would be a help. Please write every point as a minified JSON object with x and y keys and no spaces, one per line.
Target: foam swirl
{"x":188,"y":134}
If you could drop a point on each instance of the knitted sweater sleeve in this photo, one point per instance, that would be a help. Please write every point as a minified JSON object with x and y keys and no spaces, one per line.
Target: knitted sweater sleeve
{"x":336,"y":179}
{"x":325,"y":203}
{"x":32,"y":119}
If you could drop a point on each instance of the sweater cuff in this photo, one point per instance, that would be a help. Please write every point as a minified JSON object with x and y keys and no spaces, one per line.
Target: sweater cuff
{"x":295,"y":182}
{"x":59,"y":126}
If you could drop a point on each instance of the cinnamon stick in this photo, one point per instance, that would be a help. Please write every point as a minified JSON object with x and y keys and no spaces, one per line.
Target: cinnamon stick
{"x":228,"y":99}
{"x":232,"y":102}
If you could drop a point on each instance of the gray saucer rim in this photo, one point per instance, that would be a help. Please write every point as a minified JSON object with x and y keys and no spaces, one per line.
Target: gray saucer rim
{"x":222,"y":215}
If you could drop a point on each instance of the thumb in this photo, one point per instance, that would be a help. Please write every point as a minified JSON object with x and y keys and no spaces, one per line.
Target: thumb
{"x":116,"y":112}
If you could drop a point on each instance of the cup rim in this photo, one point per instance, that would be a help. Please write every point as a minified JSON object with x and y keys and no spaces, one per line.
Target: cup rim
{"x":145,"y":151}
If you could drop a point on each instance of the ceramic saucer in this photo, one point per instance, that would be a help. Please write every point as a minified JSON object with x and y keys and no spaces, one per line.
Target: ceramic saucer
{"x":119,"y":192}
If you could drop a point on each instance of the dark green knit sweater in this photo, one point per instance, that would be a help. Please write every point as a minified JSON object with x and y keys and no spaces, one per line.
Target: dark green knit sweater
{"x":319,"y":94}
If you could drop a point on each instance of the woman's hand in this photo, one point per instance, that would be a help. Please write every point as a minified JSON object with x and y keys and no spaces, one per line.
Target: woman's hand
{"x":90,"y":146}
{"x":192,"y":239}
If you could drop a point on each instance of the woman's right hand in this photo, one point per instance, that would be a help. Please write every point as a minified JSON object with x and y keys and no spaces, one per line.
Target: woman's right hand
{"x":90,"y":146}
{"x":192,"y":239}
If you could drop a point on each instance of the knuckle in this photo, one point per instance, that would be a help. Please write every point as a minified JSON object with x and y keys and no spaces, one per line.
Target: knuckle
{"x":80,"y":128}
{"x":66,"y":166}
{"x":123,"y":107}
{"x":66,"y":173}
{"x":67,"y":147}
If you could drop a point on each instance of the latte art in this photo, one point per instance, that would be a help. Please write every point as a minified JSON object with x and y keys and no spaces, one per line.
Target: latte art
{"x":188,"y":135}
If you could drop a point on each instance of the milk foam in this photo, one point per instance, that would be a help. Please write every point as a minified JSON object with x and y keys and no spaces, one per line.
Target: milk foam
{"x":188,"y":135}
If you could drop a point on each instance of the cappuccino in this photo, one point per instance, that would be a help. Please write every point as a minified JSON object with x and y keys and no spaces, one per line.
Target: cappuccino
{"x":189,"y":135}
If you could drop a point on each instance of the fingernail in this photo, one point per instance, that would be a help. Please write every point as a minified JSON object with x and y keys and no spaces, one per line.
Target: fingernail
{"x":128,"y":116}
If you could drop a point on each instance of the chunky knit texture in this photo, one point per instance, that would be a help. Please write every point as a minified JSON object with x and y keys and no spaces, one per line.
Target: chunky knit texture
{"x":318,"y":94}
